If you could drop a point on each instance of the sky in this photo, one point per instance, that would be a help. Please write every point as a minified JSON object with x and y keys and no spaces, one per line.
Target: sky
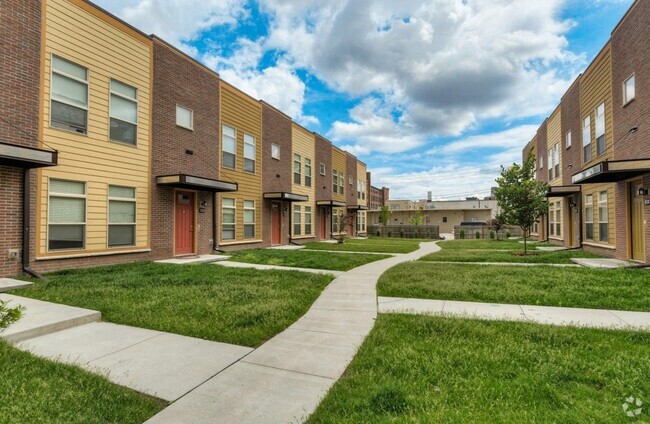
{"x":433,"y":95}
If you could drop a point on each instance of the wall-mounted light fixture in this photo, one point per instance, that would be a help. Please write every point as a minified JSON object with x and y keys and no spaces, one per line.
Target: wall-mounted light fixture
{"x":642,"y":191}
{"x":572,"y":204}
{"x":203,"y":203}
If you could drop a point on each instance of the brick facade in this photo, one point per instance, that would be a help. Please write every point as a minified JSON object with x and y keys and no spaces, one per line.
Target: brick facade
{"x":351,"y":191}
{"x":323,"y":184}
{"x":20,"y":59}
{"x":181,"y":81}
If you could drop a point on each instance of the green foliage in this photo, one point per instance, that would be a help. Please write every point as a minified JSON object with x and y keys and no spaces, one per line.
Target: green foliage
{"x":384,"y":215}
{"x":8,"y":315}
{"x":492,"y":235}
{"x":417,"y":218}
{"x":521,"y":197}
{"x":496,"y":224}
{"x":462,"y":234}
{"x":306,"y":258}
{"x":390,"y":233}
{"x":508,"y":234}
{"x":378,"y":234}
{"x":389,"y":401}
{"x":401,"y":233}
{"x":477,"y":235}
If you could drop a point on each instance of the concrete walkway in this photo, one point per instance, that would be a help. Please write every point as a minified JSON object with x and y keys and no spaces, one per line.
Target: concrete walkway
{"x":7,"y":284}
{"x":232,"y":264}
{"x":579,"y":317}
{"x":284,"y":380}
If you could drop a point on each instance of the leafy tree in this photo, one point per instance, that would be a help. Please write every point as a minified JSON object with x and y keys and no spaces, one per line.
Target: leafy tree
{"x":417,"y":218}
{"x":384,"y":216}
{"x":496,"y":224}
{"x":521,"y":197}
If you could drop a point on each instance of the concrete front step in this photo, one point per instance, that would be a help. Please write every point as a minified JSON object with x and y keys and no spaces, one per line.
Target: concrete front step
{"x":201,"y":259}
{"x":40,"y":318}
{"x":7,"y":284}
{"x":602,"y":263}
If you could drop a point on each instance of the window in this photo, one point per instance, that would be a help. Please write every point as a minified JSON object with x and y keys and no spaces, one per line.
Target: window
{"x":322,"y":169}
{"x":296,"y":169}
{"x":184,"y":117}
{"x":124,"y":113}
{"x":363,"y":190}
{"x":249,"y":219}
{"x":558,"y":219}
{"x":600,"y":129}
{"x":121,"y":216}
{"x":444,"y":219}
{"x":227,"y":219}
{"x":556,"y":159}
{"x":541,"y":162}
{"x":296,"y":220}
{"x":550,"y":164}
{"x":249,"y":153}
{"x":335,"y":221}
{"x":586,"y":138}
{"x":603,"y":219}
{"x":341,"y":183}
{"x":567,"y":139}
{"x":350,"y":180}
{"x":589,"y":217}
{"x":69,"y":96}
{"x":275,"y":151}
{"x":629,"y":89}
{"x":551,"y":219}
{"x":228,"y":147}
{"x":335,"y":178}
{"x":361,"y":222}
{"x":66,"y":215}
{"x":307,"y":172}
{"x":358,"y":189}
{"x":308,"y":220}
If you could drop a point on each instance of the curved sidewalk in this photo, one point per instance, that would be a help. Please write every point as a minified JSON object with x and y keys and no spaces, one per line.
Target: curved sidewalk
{"x":284,"y":380}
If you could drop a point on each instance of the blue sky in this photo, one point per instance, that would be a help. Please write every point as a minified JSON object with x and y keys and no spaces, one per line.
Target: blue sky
{"x":433,"y":95}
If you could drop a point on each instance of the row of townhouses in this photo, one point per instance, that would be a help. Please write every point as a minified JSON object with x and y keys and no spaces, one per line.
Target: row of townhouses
{"x":594,"y":149}
{"x":116,"y":146}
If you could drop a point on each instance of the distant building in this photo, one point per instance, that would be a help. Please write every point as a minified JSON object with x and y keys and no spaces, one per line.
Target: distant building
{"x":377,"y":197}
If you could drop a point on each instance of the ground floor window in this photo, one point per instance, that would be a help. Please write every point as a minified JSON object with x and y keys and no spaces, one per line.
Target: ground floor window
{"x":66,"y":215}
{"x":551,"y":219}
{"x":249,"y":219}
{"x":121,"y":216}
{"x":308,"y":220}
{"x":589,"y":217}
{"x":227,"y":219}
{"x":297,"y":218}
{"x":558,"y":219}
{"x":603,"y":219}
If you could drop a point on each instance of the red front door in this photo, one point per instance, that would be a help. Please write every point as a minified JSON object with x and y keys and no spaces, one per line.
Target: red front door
{"x":323,"y":224}
{"x":184,"y":223}
{"x":276,"y":223}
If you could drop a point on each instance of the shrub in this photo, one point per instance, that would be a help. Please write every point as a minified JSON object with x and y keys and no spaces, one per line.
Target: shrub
{"x":477,"y":234}
{"x":378,"y":233}
{"x":492,"y":235}
{"x":508,"y":234}
{"x":8,"y":315}
{"x":401,"y":233}
{"x":390,"y":233}
{"x":462,"y":234}
{"x":428,"y":234}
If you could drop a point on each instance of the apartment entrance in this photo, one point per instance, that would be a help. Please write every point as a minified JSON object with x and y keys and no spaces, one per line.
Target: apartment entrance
{"x":323,"y":223}
{"x":276,"y":223}
{"x":636,"y":221}
{"x":184,"y":223}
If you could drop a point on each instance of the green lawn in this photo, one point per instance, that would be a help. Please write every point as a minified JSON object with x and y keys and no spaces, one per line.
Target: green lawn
{"x":488,"y":244}
{"x":442,"y":370}
{"x":625,"y":289}
{"x":35,"y":390}
{"x":536,"y":256}
{"x":240,"y":306}
{"x":304,"y":259}
{"x":373,"y":244}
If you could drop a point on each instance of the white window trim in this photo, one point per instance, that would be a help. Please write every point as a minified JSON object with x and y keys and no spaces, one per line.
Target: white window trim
{"x":277,"y":149}
{"x":600,"y":218}
{"x":625,"y":99}
{"x":74,"y":196}
{"x":52,"y":71}
{"x":254,"y":224}
{"x":112,"y":93}
{"x":589,"y":204}
{"x":225,"y":151}
{"x":308,"y":167}
{"x":311,"y":221}
{"x":568,"y":139}
{"x":254,"y":158}
{"x":234,"y":224}
{"x":191,"y":127}
{"x":134,"y":200}
{"x":297,"y":159}
{"x":296,"y":210}
{"x":323,"y":171}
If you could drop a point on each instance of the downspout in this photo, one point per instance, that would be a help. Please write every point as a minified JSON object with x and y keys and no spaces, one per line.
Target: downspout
{"x":215,"y":247}
{"x":291,"y":223}
{"x":26,"y":224}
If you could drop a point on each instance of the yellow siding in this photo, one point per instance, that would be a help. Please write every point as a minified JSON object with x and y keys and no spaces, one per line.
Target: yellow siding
{"x":596,"y":88}
{"x":244,"y":114}
{"x":554,"y":136}
{"x":594,"y":189}
{"x":110,"y":51}
{"x":303,"y":143}
{"x":339,"y":164}
{"x":361,"y":176}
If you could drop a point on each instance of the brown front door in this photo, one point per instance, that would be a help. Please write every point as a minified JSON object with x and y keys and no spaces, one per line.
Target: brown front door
{"x":323,"y":223}
{"x":276,"y":223}
{"x":184,"y":223}
{"x":636,"y":221}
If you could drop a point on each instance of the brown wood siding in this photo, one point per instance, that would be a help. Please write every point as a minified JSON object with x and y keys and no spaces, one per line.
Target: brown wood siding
{"x":244,"y":114}
{"x":554,"y":136}
{"x":303,"y":143}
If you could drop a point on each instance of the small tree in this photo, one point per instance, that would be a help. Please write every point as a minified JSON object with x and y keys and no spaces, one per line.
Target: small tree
{"x":521,"y":197}
{"x":496,"y":224}
{"x":345,"y":222}
{"x":417,"y":218}
{"x":384,"y":216}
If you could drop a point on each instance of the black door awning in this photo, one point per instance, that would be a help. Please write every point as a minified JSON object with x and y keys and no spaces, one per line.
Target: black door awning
{"x":26,"y":157}
{"x":358,"y":208}
{"x":286,"y":197}
{"x":563,"y":191}
{"x":195,"y":183}
{"x":330,"y":203}
{"x":612,"y":171}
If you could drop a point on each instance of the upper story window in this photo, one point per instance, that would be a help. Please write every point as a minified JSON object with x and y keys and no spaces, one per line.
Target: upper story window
{"x":341,"y":183}
{"x":228,"y":147}
{"x":275,"y":151}
{"x":124,"y":113}
{"x":550,"y":164}
{"x":586,"y":138}
{"x":184,"y":117}
{"x":567,"y":139}
{"x":350,"y":179}
{"x":69,"y":96}
{"x":66,"y":215}
{"x":249,"y":153}
{"x":335,"y":181}
{"x":322,"y":169}
{"x":297,"y":165}
{"x":307,"y":172}
{"x":556,"y":159}
{"x":363,"y":190}
{"x":629,"y":89}
{"x":600,"y":129}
